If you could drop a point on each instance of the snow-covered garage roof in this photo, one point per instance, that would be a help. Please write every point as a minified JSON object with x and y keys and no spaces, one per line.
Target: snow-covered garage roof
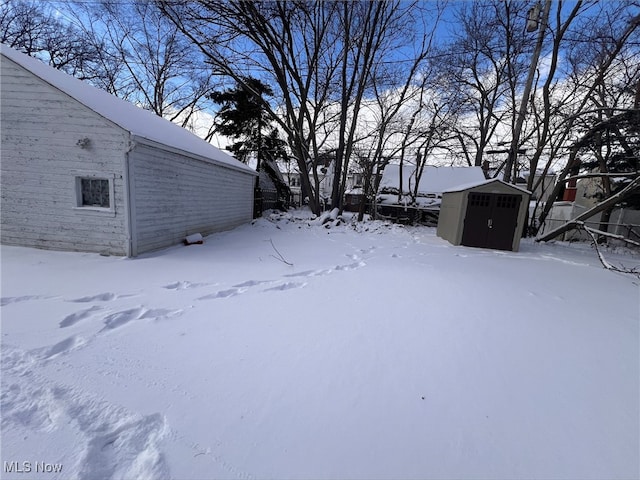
{"x":137,"y":121}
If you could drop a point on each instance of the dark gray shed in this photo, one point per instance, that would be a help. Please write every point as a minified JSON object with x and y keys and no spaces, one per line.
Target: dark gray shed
{"x":489,"y":214}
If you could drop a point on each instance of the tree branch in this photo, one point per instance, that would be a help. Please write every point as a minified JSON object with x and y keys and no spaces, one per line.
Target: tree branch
{"x":279,"y":257}
{"x":603,"y":261}
{"x":609,"y":202}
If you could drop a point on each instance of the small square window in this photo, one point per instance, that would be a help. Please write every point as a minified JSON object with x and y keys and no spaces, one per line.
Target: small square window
{"x":94,"y":192}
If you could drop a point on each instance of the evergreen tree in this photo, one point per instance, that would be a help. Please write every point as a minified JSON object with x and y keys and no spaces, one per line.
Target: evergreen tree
{"x":243,"y":117}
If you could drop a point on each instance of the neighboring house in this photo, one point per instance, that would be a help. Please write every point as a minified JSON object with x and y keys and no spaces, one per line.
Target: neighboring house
{"x":292,"y":179}
{"x":433,"y":182}
{"x":623,"y":221}
{"x":325,"y":172}
{"x":395,"y":202}
{"x":544,"y":188}
{"x":85,"y":171}
{"x":587,"y":193}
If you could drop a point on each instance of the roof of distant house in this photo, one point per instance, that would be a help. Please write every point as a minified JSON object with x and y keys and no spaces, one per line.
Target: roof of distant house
{"x":434,"y":180}
{"x":139,"y":122}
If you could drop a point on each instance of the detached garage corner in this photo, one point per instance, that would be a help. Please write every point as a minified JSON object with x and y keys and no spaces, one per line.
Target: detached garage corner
{"x":489,"y":214}
{"x":94,"y":173}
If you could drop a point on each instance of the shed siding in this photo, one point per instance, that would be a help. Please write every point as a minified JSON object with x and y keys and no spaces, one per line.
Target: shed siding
{"x":175,"y":196}
{"x":39,"y":128}
{"x":451,"y":223}
{"x":449,"y":218}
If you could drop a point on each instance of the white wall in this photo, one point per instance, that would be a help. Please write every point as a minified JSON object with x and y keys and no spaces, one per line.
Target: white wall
{"x":174,"y":196}
{"x":40,"y":127}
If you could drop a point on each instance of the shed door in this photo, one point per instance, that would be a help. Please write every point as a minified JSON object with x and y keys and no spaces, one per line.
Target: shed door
{"x":491,"y":220}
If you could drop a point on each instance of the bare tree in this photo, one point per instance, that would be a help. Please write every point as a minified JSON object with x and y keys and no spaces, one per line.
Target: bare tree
{"x":321,"y":57}
{"x":152,"y":64}
{"x":396,"y":113}
{"x":33,"y":28}
{"x":589,"y":74}
{"x":550,"y":107}
{"x":482,"y":68}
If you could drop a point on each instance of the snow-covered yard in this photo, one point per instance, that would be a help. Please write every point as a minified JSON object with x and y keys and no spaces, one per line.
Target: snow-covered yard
{"x":380,"y":353}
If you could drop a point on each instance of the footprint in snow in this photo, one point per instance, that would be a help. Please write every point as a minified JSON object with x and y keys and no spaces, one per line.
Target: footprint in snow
{"x":286,"y":286}
{"x":119,"y":443}
{"x":250,"y":283}
{"x":101,"y":297}
{"x":351,"y":266}
{"x":118,"y":319}
{"x":310,"y":273}
{"x":232,"y":292}
{"x":76,"y":317}
{"x":161,"y":314}
{"x":7,"y":300}
{"x":66,"y":345}
{"x":130,"y":450}
{"x":183,"y":285}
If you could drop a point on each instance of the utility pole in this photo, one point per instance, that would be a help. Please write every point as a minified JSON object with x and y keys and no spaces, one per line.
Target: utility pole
{"x":515,"y":138}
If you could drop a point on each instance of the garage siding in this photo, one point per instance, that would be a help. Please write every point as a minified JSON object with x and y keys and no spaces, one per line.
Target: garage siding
{"x":40,"y":127}
{"x":175,"y":195}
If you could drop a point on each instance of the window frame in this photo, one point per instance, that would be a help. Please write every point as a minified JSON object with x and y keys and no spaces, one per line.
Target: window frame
{"x":79,"y":176}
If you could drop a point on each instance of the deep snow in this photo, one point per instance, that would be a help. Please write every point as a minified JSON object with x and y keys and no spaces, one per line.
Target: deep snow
{"x":383,"y":352}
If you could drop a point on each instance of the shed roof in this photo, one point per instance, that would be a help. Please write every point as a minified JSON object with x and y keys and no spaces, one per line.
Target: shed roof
{"x":137,"y":121}
{"x":434,"y":180}
{"x":467,"y":186}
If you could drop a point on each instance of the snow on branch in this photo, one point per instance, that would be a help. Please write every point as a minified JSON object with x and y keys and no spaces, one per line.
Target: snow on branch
{"x":596,"y":175}
{"x":592,"y":233}
{"x":591,"y":230}
{"x":609,"y":202}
